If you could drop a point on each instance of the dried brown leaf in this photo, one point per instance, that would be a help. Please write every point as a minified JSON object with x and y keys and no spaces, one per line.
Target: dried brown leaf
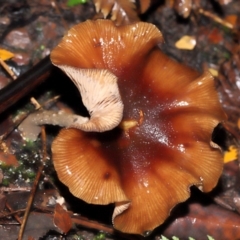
{"x":62,"y":219}
{"x":30,"y":238}
{"x":8,"y":159}
{"x":120,"y":11}
{"x":206,"y":220}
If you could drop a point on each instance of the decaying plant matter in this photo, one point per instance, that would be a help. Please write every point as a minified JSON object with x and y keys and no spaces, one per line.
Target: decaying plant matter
{"x":121,"y":11}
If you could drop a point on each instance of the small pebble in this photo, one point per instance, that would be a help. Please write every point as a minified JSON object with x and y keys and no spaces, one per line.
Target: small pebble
{"x":18,"y":38}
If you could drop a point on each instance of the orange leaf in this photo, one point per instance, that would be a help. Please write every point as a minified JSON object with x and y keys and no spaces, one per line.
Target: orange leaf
{"x":215,"y":36}
{"x":8,"y":159}
{"x":5,"y":55}
{"x":231,"y":154}
{"x":231,"y":19}
{"x":62,"y":219}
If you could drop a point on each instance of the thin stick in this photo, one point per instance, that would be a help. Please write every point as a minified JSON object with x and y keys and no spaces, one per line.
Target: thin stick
{"x":30,"y":200}
{"x":34,"y":188}
{"x":53,"y":99}
{"x":215,"y":18}
{"x":44,"y":140}
{"x":9,"y":71}
{"x":93,"y":225}
{"x":15,"y":189}
{"x":14,"y":214}
{"x":35,"y":103}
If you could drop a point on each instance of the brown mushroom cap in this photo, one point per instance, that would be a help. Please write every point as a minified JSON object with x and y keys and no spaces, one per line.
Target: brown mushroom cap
{"x":147,"y":164}
{"x":104,"y":46}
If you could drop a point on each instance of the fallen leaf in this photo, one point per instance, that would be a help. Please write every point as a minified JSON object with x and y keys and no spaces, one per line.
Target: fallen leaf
{"x":186,"y":43}
{"x":213,"y":71}
{"x":8,"y":159}
{"x":62,"y":219}
{"x":5,"y":55}
{"x":231,"y":154}
{"x":231,"y":19}
{"x":121,"y":11}
{"x":215,"y":36}
{"x":210,"y":220}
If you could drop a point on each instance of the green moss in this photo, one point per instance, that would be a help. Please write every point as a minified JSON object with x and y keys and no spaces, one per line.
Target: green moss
{"x":26,"y":108}
{"x":72,"y":3}
{"x":30,"y":145}
{"x":3,"y":165}
{"x":30,"y":174}
{"x":100,"y":236}
{"x":29,"y":160}
{"x":227,"y":55}
{"x":77,"y":237}
{"x":5,"y":182}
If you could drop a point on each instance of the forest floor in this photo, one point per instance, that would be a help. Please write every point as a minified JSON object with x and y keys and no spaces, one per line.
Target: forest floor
{"x":29,"y":30}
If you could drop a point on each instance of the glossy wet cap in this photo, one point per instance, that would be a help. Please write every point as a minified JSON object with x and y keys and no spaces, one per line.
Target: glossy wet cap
{"x":147,"y":163}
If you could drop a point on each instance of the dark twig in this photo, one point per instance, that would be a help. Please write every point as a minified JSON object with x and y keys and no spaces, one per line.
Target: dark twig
{"x":15,"y":214}
{"x":30,"y":200}
{"x":91,"y":224}
{"x":216,"y":18}
{"x":12,"y":213}
{"x":17,"y":89}
{"x":34,"y":188}
{"x":8,"y":70}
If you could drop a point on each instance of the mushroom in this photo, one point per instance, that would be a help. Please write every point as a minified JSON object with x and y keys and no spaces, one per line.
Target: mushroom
{"x":147,"y":164}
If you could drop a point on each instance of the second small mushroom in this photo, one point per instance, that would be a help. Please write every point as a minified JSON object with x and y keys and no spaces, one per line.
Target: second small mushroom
{"x":147,"y":163}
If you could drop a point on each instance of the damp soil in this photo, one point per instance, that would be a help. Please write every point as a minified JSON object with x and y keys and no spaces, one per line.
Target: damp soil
{"x":30,"y":29}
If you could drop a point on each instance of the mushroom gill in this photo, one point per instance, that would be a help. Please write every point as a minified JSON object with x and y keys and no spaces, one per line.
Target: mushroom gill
{"x":147,"y":163}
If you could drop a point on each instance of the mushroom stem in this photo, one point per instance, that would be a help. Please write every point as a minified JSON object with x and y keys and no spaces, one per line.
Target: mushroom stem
{"x":31,"y":125}
{"x":100,"y":95}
